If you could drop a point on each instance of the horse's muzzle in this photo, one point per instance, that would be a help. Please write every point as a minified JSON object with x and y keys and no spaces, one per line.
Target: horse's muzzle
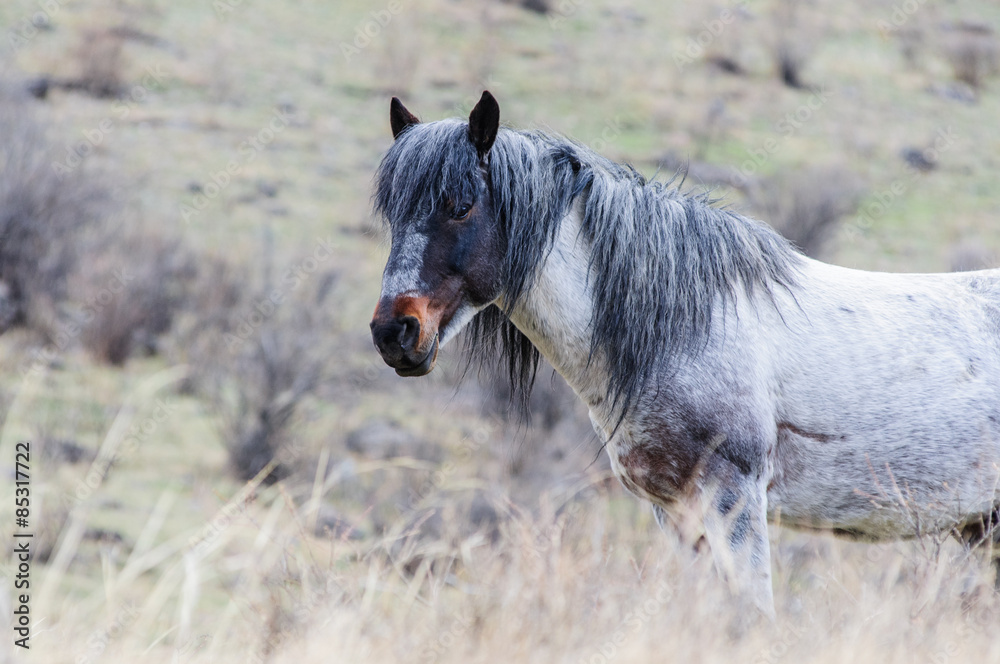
{"x":397,"y":341}
{"x":425,"y":365}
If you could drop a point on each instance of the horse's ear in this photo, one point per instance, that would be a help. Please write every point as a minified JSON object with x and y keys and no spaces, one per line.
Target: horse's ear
{"x":399,"y":117}
{"x":484,"y":121}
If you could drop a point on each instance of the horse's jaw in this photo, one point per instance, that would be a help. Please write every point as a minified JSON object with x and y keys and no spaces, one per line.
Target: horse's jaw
{"x":463,"y":315}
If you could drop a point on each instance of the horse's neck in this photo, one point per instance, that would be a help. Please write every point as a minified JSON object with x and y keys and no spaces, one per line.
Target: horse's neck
{"x":556,"y":314}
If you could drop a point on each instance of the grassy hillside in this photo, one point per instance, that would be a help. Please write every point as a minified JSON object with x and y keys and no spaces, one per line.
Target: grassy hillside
{"x":419,"y":520}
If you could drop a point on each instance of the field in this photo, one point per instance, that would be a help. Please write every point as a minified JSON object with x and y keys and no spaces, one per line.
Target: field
{"x":221,"y":152}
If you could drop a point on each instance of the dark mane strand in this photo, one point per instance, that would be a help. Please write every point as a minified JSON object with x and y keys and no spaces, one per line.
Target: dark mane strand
{"x":491,"y":339}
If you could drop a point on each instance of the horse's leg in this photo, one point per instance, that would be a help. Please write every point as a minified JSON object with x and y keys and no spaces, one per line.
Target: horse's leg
{"x":990,"y":538}
{"x":734,"y":513}
{"x":690,"y":534}
{"x":985,"y":533}
{"x":994,"y":539}
{"x":660,"y":515}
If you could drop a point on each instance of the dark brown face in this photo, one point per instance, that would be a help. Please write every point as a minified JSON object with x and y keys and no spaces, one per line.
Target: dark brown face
{"x":440,"y":272}
{"x":444,"y":266}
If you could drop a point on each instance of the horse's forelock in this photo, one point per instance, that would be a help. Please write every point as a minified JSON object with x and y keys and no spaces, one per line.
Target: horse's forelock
{"x":425,"y":166}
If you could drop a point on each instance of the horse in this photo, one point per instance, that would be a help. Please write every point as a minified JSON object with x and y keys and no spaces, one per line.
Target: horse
{"x":727,"y":374}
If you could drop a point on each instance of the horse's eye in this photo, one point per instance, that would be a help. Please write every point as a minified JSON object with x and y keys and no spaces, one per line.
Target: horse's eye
{"x":461,"y":212}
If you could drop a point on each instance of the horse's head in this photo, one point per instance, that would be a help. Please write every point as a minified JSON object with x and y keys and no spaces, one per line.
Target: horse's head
{"x":446,"y":256}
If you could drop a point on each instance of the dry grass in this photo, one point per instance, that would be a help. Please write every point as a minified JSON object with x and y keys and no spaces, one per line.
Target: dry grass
{"x":581,"y":578}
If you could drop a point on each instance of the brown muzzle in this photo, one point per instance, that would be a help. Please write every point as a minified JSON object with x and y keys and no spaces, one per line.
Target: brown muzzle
{"x":405,"y":333}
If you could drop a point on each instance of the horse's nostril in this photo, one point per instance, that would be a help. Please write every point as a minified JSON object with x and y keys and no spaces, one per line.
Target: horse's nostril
{"x":409,"y":334}
{"x":396,"y":339}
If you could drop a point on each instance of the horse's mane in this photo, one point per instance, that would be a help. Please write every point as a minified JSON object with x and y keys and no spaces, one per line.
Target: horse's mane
{"x":661,"y":260}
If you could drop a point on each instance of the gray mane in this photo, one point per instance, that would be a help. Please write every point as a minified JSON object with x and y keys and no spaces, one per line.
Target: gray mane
{"x":661,"y":260}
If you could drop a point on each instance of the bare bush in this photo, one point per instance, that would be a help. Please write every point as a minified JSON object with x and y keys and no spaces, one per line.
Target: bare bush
{"x":968,"y":256}
{"x":273,"y":374}
{"x":100,"y":62}
{"x":256,"y":360}
{"x":72,"y":266}
{"x":805,"y":205}
{"x":382,"y":438}
{"x":706,"y":174}
{"x":973,"y":53}
{"x":791,"y":44}
{"x":45,"y":216}
{"x":132,"y":293}
{"x":218,"y":292}
{"x":912,"y":41}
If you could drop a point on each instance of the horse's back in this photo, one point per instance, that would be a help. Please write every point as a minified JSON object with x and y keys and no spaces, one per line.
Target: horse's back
{"x":887,"y":390}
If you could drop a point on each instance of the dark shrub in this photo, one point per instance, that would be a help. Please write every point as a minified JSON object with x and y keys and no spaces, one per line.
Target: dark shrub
{"x":805,"y":205}
{"x":256,"y":361}
{"x":973,"y":53}
{"x":46,"y":217}
{"x":132,"y":292}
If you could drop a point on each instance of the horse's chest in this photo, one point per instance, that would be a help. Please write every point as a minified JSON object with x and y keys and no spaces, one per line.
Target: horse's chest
{"x":658,"y":457}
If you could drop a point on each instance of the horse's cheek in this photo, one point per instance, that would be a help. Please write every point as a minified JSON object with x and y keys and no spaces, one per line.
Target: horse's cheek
{"x":483,"y":270}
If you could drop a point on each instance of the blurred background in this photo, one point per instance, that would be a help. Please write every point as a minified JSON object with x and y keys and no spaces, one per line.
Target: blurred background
{"x":222,"y":466}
